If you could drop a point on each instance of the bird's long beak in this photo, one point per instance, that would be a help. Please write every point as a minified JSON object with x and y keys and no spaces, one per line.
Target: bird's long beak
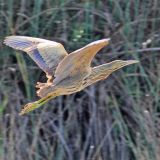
{"x":117,"y":64}
{"x":128,"y":62}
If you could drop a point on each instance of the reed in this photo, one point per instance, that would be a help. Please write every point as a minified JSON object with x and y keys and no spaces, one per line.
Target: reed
{"x":113,"y":119}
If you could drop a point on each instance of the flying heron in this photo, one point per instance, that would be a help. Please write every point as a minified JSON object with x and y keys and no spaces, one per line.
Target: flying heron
{"x":66,"y":73}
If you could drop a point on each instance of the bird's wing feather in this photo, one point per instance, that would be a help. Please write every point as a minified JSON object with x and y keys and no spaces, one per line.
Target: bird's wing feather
{"x":47,"y":54}
{"x":78,"y":61}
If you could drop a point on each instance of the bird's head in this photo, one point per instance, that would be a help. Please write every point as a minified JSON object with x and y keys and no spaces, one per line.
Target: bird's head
{"x":117,"y":64}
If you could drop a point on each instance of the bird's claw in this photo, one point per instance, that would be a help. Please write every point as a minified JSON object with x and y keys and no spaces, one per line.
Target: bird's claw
{"x":41,"y":92}
{"x":39,"y":85}
{"x":44,"y":90}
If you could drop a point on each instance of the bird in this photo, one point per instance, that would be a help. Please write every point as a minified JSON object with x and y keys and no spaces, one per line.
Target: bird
{"x":66,"y":73}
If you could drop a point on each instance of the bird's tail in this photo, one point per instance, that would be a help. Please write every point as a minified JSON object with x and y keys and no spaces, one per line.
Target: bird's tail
{"x":34,"y":105}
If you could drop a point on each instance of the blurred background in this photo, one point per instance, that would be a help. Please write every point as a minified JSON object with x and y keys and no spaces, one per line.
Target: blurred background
{"x":115,"y":119}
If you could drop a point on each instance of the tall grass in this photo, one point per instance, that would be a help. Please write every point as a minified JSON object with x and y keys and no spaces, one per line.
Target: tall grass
{"x":118,"y":118}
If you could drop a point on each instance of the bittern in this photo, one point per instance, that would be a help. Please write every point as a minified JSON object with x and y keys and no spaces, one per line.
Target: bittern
{"x":66,"y":73}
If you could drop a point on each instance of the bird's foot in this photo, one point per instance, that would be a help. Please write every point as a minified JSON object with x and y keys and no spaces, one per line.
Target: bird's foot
{"x":28,"y":107}
{"x":34,"y":105}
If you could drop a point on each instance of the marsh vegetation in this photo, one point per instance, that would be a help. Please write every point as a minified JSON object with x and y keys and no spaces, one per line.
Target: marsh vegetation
{"x":115,"y":119}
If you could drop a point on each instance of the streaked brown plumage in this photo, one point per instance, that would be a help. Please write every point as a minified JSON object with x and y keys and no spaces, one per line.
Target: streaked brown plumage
{"x":66,"y":73}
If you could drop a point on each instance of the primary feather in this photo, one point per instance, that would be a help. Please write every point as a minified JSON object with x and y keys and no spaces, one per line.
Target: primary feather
{"x":47,"y":54}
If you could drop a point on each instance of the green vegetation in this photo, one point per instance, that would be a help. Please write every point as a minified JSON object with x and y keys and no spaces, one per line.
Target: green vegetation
{"x":115,"y":119}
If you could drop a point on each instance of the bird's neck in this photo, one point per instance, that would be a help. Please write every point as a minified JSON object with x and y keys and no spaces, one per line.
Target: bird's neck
{"x":98,"y":73}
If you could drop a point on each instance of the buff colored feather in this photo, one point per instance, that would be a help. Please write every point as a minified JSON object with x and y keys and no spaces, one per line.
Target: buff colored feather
{"x":66,"y":73}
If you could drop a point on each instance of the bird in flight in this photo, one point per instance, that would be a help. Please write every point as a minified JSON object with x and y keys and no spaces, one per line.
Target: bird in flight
{"x":66,"y":73}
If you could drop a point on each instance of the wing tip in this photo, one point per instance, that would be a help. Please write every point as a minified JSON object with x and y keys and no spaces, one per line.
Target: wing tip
{"x":5,"y":40}
{"x":17,"y":42}
{"x":8,"y":40}
{"x":104,"y":41}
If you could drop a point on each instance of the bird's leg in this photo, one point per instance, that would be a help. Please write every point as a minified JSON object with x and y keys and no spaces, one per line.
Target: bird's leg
{"x":40,"y":85}
{"x":50,"y":78}
{"x":49,"y":81}
{"x":34,"y":105}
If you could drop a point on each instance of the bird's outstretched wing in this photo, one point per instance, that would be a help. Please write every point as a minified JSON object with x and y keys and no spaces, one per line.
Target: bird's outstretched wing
{"x":47,"y":54}
{"x":78,"y":61}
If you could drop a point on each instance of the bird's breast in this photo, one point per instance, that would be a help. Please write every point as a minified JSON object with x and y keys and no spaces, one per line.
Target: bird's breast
{"x":72,"y":83}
